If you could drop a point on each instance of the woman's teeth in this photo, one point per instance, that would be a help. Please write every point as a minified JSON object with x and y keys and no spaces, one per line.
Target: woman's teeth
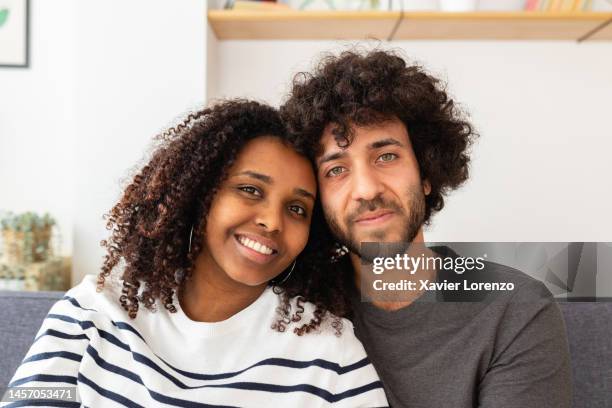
{"x":255,"y":246}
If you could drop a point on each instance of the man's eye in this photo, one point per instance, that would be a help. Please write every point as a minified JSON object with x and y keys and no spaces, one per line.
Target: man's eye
{"x":250,"y":190}
{"x":298,"y":210}
{"x":387,"y":157}
{"x":336,"y":171}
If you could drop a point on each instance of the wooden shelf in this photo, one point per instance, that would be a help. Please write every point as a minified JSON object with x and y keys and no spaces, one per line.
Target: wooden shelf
{"x":355,"y":25}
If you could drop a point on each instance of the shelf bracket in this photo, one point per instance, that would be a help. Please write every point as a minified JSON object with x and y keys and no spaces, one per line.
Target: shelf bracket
{"x":594,"y":31}
{"x":396,"y":26}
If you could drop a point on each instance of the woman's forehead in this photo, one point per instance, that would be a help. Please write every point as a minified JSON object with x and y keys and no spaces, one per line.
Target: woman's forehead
{"x":273,"y":158}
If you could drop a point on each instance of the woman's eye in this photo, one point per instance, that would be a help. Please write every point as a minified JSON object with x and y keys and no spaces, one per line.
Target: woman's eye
{"x":336,"y":171}
{"x":250,"y":190}
{"x":298,"y":210}
{"x":387,"y":157}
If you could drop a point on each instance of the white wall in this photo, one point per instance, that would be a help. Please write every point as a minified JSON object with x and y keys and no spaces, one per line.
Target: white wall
{"x":141,"y":64}
{"x":106,"y":75}
{"x":541,"y":167}
{"x":38,"y":120}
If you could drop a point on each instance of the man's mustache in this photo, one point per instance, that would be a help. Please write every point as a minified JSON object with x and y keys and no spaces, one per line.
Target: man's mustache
{"x":377,"y":203}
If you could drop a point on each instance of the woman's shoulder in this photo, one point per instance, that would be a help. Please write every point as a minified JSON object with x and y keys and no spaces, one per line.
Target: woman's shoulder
{"x":87,"y":290}
{"x":86,"y":297}
{"x":332,"y":339}
{"x":326,"y":324}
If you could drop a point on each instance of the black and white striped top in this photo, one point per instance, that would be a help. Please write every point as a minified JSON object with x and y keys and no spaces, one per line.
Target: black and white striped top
{"x":166,"y":359}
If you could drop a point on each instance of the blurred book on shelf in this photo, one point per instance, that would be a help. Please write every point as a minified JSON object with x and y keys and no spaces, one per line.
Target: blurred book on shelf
{"x":256,"y":5}
{"x":567,"y":6}
{"x":559,"y":5}
{"x":307,"y":5}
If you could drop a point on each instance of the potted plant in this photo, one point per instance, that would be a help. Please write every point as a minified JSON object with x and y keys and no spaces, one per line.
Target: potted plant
{"x":26,"y":237}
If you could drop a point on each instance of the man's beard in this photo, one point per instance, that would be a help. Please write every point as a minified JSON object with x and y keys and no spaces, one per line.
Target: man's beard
{"x":411,"y":224}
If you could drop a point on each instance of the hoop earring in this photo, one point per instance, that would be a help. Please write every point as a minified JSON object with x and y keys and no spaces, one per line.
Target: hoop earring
{"x":286,"y":277}
{"x":190,"y":235}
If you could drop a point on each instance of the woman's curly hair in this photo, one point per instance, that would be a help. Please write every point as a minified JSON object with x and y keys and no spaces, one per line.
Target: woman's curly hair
{"x":151,"y":224}
{"x":367,"y":88}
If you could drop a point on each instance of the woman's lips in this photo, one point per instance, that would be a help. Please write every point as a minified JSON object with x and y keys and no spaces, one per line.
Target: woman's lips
{"x":375,"y":218}
{"x":252,"y":254}
{"x":270,"y":243}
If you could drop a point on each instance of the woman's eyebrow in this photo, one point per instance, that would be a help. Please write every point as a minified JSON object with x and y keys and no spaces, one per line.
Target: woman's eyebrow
{"x":303,"y":193}
{"x":269,"y":180}
{"x":258,"y":176}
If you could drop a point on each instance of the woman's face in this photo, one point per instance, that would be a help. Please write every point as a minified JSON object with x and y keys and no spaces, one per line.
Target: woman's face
{"x":259,"y":219}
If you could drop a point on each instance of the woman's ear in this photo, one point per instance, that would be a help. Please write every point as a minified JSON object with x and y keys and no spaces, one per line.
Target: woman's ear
{"x":426,"y":187}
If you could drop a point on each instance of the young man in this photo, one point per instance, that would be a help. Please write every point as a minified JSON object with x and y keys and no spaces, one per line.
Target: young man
{"x":389,"y":144}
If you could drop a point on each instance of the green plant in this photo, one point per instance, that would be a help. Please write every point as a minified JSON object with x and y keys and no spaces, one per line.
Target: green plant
{"x":26,"y":236}
{"x":4,"y":13}
{"x":25,"y":222}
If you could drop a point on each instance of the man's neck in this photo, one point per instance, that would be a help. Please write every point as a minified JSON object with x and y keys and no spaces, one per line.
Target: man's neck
{"x":419,"y":274}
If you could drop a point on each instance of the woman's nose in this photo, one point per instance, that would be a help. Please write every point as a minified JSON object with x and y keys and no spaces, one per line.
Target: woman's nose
{"x":270,"y":218}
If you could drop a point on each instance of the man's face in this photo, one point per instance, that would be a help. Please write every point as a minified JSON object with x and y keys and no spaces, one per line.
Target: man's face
{"x":372,"y":191}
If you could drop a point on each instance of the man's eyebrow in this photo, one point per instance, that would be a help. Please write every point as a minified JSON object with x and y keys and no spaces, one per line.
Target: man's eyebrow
{"x":331,"y":156}
{"x":303,"y":193}
{"x":385,"y":142}
{"x":262,"y":177}
{"x":374,"y":145}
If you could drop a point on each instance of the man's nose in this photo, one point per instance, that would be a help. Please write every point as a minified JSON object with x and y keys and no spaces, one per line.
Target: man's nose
{"x":365,"y":184}
{"x":270,"y":218}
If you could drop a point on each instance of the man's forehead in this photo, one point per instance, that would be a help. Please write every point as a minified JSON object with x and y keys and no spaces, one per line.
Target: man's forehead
{"x":361,"y":136}
{"x":329,"y":137}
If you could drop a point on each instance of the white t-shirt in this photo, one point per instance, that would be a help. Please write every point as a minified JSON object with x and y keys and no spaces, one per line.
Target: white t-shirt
{"x":166,"y":359}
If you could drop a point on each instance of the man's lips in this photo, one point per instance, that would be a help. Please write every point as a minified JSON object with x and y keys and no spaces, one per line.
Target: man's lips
{"x":374,"y":217}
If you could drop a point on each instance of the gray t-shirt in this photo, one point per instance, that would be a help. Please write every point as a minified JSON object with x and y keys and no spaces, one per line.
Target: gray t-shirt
{"x":502,"y":349}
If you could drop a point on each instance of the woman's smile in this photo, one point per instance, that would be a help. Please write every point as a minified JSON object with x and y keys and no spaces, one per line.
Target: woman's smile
{"x":256,"y":248}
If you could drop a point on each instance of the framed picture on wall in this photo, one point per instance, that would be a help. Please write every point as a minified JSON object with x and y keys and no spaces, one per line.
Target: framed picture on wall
{"x":14,"y":33}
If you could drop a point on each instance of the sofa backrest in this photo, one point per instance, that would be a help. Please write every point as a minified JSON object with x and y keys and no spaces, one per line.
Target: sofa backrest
{"x":589,"y":332}
{"x":589,"y":328}
{"x":21,"y":314}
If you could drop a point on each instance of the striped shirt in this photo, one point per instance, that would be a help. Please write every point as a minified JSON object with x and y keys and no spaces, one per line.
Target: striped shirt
{"x":166,"y":359}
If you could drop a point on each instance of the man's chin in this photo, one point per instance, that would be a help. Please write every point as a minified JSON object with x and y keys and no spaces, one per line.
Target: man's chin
{"x":380,"y":236}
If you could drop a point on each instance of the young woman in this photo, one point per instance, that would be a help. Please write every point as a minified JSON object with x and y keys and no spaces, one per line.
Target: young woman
{"x":220,"y":238}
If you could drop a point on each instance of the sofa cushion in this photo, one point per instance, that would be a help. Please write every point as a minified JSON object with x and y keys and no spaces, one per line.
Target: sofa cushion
{"x":21,"y":314}
{"x":589,"y":327}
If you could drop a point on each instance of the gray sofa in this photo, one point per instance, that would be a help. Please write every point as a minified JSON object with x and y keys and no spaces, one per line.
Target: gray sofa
{"x":589,"y":328}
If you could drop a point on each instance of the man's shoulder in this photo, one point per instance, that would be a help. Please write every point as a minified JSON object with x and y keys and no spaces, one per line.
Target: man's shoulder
{"x":494,"y":281}
{"x":509,"y":299}
{"x":519,"y":280}
{"x":519,"y":285}
{"x":501,"y":272}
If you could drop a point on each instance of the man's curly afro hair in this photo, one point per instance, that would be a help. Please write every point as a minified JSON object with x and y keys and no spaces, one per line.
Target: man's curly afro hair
{"x":367,"y":88}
